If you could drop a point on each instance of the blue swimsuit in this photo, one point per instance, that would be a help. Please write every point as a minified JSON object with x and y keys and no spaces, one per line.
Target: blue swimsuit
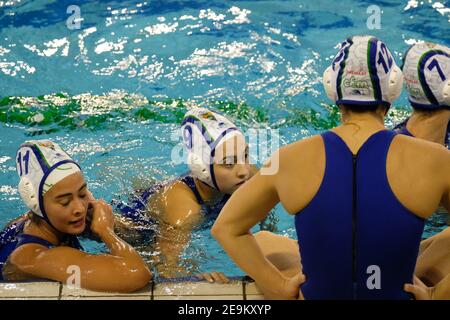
{"x":135,"y":208}
{"x":401,"y":128}
{"x":12,"y":237}
{"x":355,"y":229}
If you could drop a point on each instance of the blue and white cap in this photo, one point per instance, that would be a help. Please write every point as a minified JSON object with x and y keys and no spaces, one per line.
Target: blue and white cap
{"x":203,"y":131}
{"x":363,"y":73}
{"x":427,"y":75}
{"x":40,"y":165}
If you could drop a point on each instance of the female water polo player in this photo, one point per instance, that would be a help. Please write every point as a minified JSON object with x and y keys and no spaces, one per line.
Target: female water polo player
{"x":426,"y":69}
{"x":359,"y":203}
{"x":218,"y":163}
{"x":429,"y":121}
{"x":43,"y":243}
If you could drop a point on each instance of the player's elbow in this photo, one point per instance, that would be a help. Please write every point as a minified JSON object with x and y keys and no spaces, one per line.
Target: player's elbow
{"x":135,"y":279}
{"x":218,"y":231}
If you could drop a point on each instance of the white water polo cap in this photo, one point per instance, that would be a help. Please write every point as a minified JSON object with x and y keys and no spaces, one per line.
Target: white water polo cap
{"x":427,"y":76}
{"x":363,"y":73}
{"x":203,"y":131}
{"x":40,"y":165}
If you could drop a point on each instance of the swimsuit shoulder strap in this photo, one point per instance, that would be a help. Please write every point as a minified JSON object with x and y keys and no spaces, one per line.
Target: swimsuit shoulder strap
{"x":189,"y":181}
{"x":401,"y":128}
{"x":24,"y":238}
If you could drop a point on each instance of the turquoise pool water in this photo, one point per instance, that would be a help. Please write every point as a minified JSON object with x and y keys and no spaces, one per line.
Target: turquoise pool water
{"x":113,"y":91}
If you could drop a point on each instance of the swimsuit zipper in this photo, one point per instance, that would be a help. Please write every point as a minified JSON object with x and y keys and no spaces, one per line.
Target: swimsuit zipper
{"x":354,"y":273}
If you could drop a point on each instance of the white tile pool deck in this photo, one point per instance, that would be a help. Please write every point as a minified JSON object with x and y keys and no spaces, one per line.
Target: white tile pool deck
{"x":235,"y":290}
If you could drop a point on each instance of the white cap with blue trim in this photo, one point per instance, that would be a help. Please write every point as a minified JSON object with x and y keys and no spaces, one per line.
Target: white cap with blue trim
{"x":363,"y":73}
{"x":427,"y":75}
{"x":40,"y":165}
{"x":203,"y":131}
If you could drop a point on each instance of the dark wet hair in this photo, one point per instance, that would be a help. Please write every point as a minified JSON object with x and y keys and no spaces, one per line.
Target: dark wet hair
{"x":361,"y":108}
{"x":429,"y":111}
{"x":34,"y":218}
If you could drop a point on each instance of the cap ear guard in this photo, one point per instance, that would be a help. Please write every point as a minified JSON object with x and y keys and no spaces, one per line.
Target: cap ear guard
{"x":198,"y":168}
{"x":327,"y":84}
{"x":28,"y":194}
{"x":395,"y":83}
{"x":446,"y":93}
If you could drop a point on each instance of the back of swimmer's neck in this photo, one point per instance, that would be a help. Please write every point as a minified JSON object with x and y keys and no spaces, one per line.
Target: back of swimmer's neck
{"x":370,"y":116}
{"x":429,"y":125}
{"x":364,"y":123}
{"x":373,"y":116}
{"x":357,"y":126}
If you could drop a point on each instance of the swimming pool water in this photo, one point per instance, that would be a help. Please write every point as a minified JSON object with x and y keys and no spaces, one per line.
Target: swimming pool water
{"x":113,"y":92}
